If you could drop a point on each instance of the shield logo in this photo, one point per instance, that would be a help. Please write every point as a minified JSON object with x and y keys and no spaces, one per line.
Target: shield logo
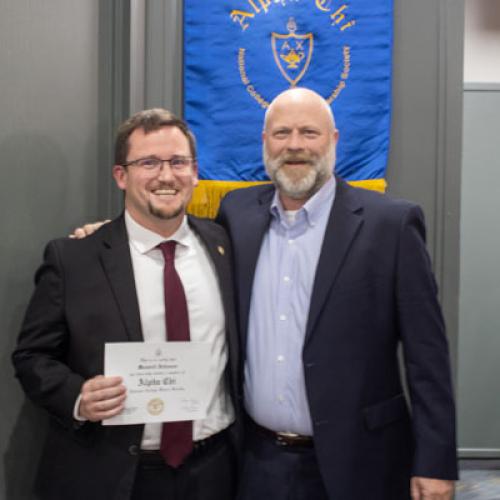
{"x":292,"y":52}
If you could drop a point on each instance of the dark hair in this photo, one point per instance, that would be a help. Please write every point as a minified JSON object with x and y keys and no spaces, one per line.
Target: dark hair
{"x":149,"y":120}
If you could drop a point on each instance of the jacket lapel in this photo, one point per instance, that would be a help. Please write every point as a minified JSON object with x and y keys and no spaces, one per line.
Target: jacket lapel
{"x":216,"y":247}
{"x":255,"y":224}
{"x":117,"y":265}
{"x":343,"y":225}
{"x":220,"y":253}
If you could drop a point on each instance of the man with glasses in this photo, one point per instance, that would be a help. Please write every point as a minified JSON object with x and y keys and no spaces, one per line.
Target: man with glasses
{"x":152,"y":274}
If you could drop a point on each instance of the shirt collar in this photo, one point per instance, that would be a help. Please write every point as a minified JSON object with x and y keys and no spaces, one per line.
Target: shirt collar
{"x":313,"y":208}
{"x":145,"y":240}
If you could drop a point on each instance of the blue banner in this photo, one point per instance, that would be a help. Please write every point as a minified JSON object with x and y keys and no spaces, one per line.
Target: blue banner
{"x":240,"y":54}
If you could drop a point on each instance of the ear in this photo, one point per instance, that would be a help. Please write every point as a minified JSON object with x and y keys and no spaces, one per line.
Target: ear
{"x":120,"y":175}
{"x":196,"y":180}
{"x":336,"y":136}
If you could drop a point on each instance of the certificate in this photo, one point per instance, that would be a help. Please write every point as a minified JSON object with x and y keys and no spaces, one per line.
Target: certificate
{"x":166,"y":381}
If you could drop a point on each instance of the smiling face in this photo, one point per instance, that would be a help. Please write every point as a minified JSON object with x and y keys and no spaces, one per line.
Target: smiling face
{"x":299,"y":141}
{"x":157,"y":199}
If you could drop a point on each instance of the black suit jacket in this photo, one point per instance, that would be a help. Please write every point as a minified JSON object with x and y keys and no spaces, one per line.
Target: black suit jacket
{"x":373,"y":289}
{"x":84,"y":297}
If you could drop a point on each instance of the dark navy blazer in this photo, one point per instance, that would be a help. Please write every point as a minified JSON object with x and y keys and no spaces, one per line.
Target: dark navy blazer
{"x":85,"y":296}
{"x":373,"y":290}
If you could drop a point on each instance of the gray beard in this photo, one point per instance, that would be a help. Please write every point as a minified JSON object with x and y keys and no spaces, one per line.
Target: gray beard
{"x":305,"y":187}
{"x":299,"y":189}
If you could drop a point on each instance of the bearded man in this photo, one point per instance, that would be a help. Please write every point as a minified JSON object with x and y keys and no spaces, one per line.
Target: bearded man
{"x":329,"y":281}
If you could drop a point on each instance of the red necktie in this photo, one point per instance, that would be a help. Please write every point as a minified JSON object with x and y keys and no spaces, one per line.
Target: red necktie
{"x":176,"y":437}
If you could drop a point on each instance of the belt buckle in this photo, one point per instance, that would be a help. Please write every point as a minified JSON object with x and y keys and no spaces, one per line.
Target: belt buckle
{"x":282,"y":437}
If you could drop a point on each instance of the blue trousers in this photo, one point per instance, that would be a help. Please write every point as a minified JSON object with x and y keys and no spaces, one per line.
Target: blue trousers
{"x":271,"y":471}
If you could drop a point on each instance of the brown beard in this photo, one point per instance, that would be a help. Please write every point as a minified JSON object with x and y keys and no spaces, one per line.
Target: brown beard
{"x":163,"y":216}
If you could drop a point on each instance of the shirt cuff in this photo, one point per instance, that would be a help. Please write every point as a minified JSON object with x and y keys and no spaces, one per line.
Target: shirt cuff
{"x":76,"y":414}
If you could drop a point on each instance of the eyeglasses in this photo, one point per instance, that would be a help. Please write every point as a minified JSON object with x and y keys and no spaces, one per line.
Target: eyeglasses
{"x":177,"y":163}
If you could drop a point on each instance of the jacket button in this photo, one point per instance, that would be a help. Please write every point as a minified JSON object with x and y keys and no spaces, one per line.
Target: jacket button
{"x":133,"y":449}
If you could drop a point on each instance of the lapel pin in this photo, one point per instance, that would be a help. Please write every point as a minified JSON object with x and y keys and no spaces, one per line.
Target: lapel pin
{"x":221,"y":250}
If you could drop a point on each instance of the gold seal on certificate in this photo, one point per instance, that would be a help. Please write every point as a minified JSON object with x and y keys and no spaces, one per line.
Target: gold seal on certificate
{"x":165,"y":381}
{"x":155,"y":406}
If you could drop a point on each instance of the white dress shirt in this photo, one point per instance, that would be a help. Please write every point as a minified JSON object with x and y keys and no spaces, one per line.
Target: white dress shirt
{"x":205,"y":311}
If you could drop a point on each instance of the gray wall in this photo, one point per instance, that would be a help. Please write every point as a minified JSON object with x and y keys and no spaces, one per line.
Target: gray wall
{"x":479,"y":338}
{"x":425,"y":158}
{"x":68,"y":77}
{"x":51,"y":134}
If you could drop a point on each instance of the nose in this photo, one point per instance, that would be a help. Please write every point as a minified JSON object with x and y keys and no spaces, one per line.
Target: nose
{"x":295,"y":142}
{"x":165,"y":172}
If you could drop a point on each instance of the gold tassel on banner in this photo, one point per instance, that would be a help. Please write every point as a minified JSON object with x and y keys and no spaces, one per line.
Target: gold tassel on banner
{"x":208,"y":194}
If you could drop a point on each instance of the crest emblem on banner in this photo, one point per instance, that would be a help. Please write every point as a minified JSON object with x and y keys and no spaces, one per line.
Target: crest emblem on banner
{"x":296,"y":53}
{"x":292,"y":52}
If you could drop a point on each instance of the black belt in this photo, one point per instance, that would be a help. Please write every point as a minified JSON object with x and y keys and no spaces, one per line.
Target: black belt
{"x":199,"y":447}
{"x":282,"y":438}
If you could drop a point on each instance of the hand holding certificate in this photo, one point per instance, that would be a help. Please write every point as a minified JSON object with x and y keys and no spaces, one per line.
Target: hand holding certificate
{"x":165,"y":381}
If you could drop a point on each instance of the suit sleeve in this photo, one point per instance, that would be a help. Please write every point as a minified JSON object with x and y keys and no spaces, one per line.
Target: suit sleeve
{"x":40,"y":356}
{"x":426,"y":354}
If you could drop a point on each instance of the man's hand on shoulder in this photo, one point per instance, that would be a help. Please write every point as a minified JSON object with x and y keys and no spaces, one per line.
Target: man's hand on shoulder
{"x":426,"y":488}
{"x":86,"y":230}
{"x":101,"y":398}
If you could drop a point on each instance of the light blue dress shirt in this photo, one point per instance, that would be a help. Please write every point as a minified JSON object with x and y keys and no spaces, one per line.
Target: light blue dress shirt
{"x":275,"y":394}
